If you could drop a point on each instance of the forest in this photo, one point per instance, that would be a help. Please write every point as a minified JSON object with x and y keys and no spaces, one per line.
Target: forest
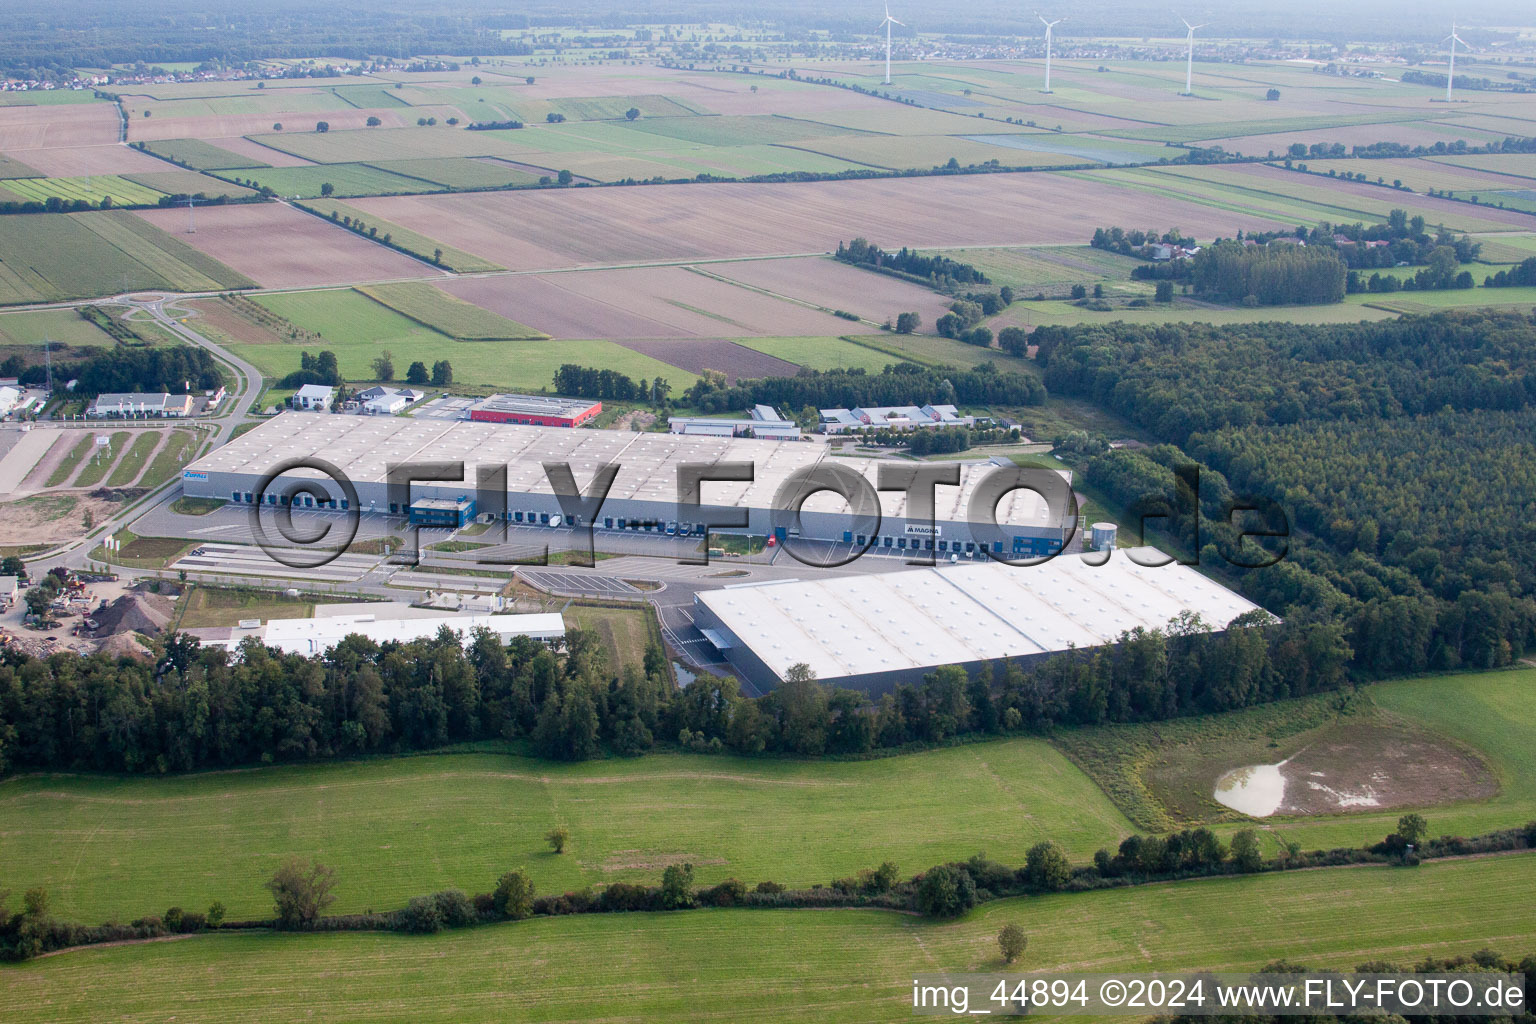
{"x":1268,"y":275}
{"x":1399,"y":452}
{"x":174,"y":369}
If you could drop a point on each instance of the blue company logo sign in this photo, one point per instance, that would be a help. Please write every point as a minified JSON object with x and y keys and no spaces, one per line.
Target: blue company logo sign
{"x":192,"y":474}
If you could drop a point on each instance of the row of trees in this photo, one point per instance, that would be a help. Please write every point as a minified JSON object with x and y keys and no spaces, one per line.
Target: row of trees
{"x":897,"y":384}
{"x":201,"y":708}
{"x":173,"y":369}
{"x":938,"y":271}
{"x":1522,"y":275}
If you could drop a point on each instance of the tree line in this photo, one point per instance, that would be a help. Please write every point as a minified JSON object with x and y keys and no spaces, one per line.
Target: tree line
{"x":173,"y":369}
{"x":897,"y":384}
{"x":937,"y":271}
{"x":207,"y":708}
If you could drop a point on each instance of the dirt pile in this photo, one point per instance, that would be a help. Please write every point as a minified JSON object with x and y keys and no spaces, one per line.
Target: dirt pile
{"x":135,"y":612}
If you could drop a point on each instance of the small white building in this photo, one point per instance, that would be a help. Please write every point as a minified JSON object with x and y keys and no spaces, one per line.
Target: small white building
{"x":9,"y":396}
{"x":313,"y":398}
{"x":10,"y":589}
{"x":382,"y":401}
{"x":311,"y":637}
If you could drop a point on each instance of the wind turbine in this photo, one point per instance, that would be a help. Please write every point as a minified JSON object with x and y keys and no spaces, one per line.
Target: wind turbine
{"x":1049,"y":25}
{"x":886,"y":24}
{"x":1450,"y":78}
{"x":191,"y":223}
{"x":1189,"y":67}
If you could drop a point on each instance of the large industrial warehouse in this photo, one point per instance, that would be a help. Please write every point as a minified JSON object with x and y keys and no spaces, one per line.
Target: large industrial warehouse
{"x":644,"y":494}
{"x":873,"y":631}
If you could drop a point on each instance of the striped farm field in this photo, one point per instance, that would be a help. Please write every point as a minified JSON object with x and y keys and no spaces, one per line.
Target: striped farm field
{"x":93,"y":190}
{"x":413,"y":242}
{"x":1422,"y":174}
{"x":344,"y":179}
{"x":10,"y":167}
{"x":51,"y":257}
{"x":394,"y":828}
{"x":1519,"y":165}
{"x":459,"y":172}
{"x":435,"y":308}
{"x":199,"y":155}
{"x":189,"y":183}
{"x":845,"y":966}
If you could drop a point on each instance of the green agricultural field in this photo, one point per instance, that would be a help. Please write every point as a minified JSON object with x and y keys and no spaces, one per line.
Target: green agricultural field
{"x":48,"y":258}
{"x":368,"y":97}
{"x":1419,"y":174}
{"x":30,"y":328}
{"x":735,"y":131}
{"x":1047,"y":269}
{"x":199,"y":155}
{"x":131,"y":464}
{"x":189,"y":183}
{"x":435,"y":308}
{"x":93,"y":190}
{"x":1519,"y":165}
{"x":1507,"y":247}
{"x":846,"y":966}
{"x":357,"y":328}
{"x":347,"y":318}
{"x":1233,"y":129}
{"x":605,"y":108}
{"x":1455,"y":298}
{"x":364,"y":145}
{"x":1160,"y":774}
{"x":1297,"y":195}
{"x":46,"y":97}
{"x":10,"y":167}
{"x":181,"y":267}
{"x":418,"y":245}
{"x":345,"y":179}
{"x":394,"y":828}
{"x":459,"y":172}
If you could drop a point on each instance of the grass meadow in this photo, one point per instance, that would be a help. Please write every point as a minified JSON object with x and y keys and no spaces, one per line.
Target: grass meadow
{"x":849,"y":966}
{"x":394,"y":828}
{"x":1159,"y":773}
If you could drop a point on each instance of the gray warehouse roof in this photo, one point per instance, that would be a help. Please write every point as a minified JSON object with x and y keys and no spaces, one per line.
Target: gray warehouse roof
{"x":924,"y":618}
{"x":362,"y":446}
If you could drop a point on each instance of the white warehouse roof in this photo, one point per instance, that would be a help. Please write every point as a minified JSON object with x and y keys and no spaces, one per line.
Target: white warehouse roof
{"x":362,"y":446}
{"x":924,"y":618}
{"x":318,"y":635}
